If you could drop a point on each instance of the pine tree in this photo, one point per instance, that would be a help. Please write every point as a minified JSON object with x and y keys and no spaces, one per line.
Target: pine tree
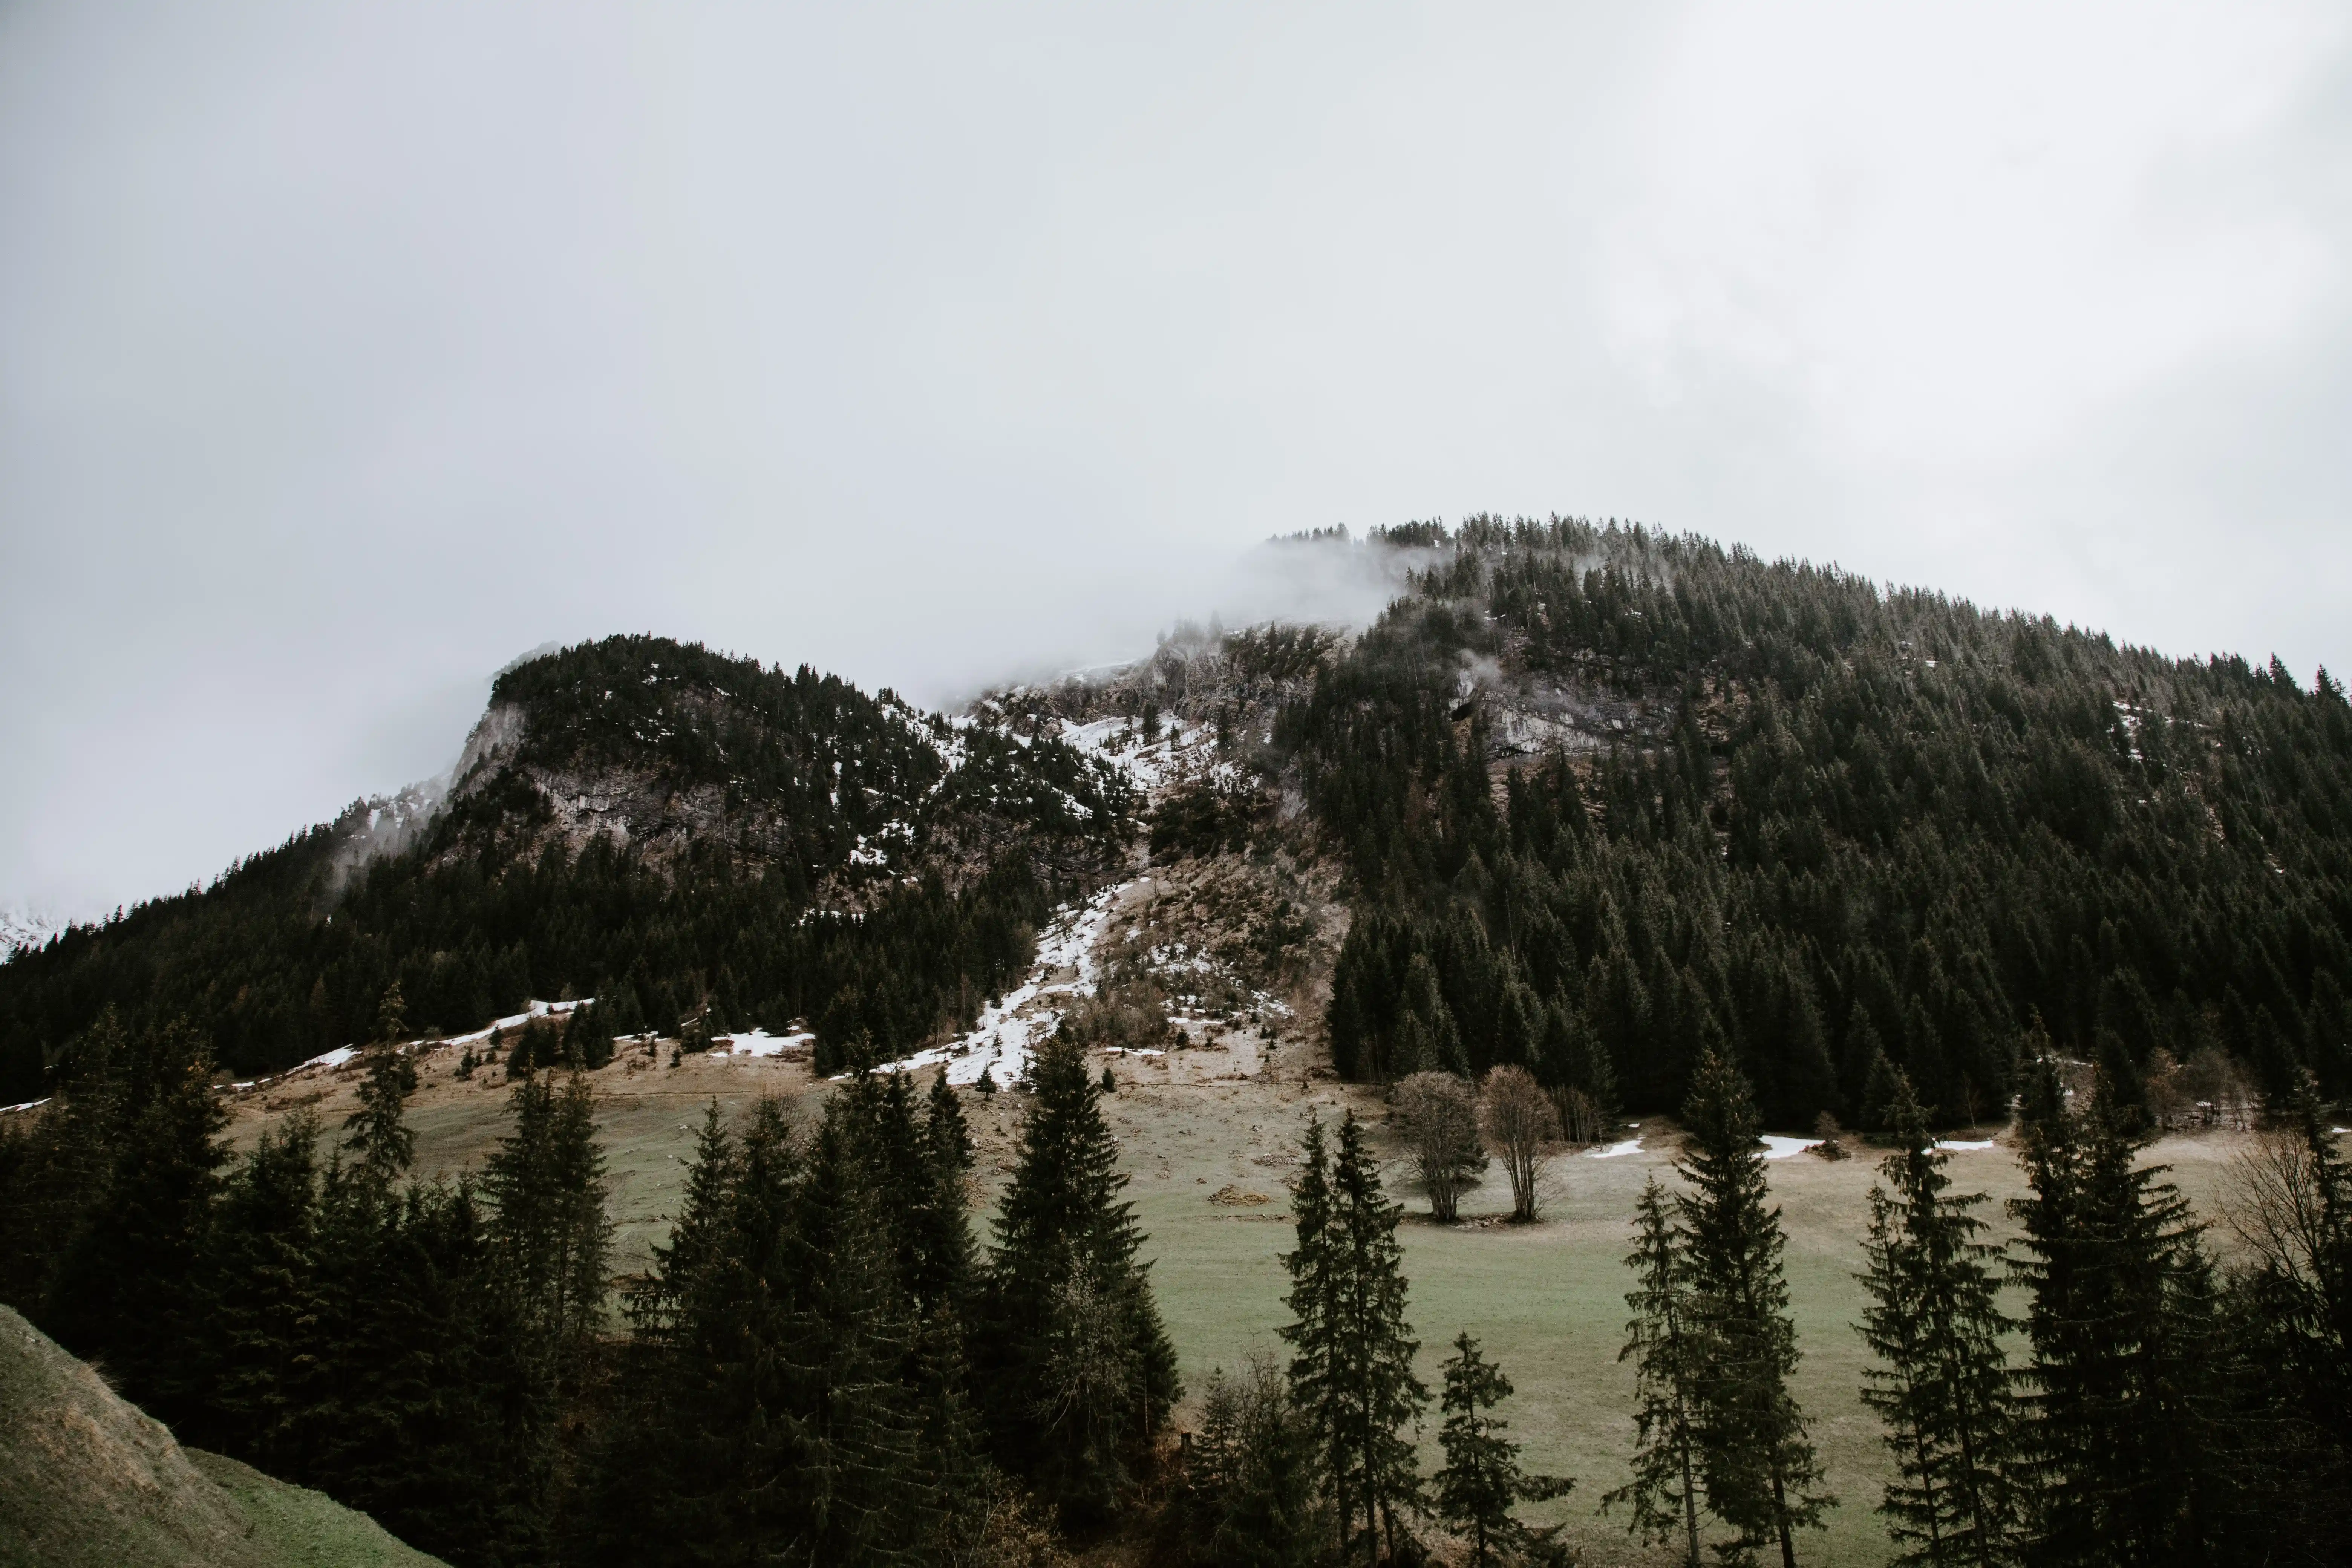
{"x":546,"y":1184}
{"x":1661,"y":1336}
{"x":124,"y":1285}
{"x":379,"y":1128}
{"x":2115,"y":1462}
{"x":1250,"y":1476}
{"x":1482,"y":1481}
{"x":1076,"y":1371}
{"x":1352,"y":1373}
{"x":945,"y":1263}
{"x":54,"y":1171}
{"x":1943,"y":1389}
{"x":260,"y":1300}
{"x":1758,"y":1465}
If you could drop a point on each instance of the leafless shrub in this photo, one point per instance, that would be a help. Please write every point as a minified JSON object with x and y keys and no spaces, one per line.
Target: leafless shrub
{"x":2218,"y":1091}
{"x":1832,"y":1137}
{"x":1582,"y":1120}
{"x":2275,"y":1203}
{"x":1439,"y":1115}
{"x":1523,"y":1127}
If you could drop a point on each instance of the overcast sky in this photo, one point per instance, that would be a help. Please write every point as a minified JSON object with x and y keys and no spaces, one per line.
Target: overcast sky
{"x":346,"y":352}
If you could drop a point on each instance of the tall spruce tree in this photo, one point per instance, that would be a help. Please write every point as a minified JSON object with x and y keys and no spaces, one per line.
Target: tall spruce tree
{"x":126,"y":1283}
{"x":1662,"y":1340}
{"x":1482,"y":1481}
{"x":1249,"y":1476}
{"x":1352,"y":1371}
{"x":546,"y":1184}
{"x":380,"y":1134}
{"x":1757,"y":1463}
{"x":2116,"y":1461}
{"x":259,"y":1301}
{"x":1074,"y":1371}
{"x":55,"y":1167}
{"x":1943,"y":1387}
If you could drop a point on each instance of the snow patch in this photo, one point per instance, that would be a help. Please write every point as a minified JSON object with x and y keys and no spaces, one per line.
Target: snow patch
{"x":1631,"y":1146}
{"x":759,"y":1043}
{"x":1965,"y":1143}
{"x":1003,"y":1040}
{"x":27,"y":1105}
{"x":1776,"y":1147}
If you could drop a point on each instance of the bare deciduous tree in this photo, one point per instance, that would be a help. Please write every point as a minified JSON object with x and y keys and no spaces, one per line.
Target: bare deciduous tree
{"x":2276,"y":1201}
{"x":1582,"y":1119}
{"x":1439,"y":1114}
{"x":1522,"y":1127}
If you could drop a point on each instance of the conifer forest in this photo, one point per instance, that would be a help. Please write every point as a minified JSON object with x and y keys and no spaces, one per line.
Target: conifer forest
{"x":1616,"y":843}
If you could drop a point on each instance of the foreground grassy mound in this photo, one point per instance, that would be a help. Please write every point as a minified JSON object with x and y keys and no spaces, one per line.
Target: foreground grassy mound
{"x":86,"y":1478}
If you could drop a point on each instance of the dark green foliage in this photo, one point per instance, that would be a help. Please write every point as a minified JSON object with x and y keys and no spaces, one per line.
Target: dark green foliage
{"x":126,"y":1277}
{"x":545,"y":1185}
{"x":1942,"y":1387}
{"x":1250,"y":1493}
{"x":2119,"y":1461}
{"x":1482,"y":1481}
{"x":1351,"y":1375}
{"x":378,"y":1131}
{"x":492,"y":904}
{"x":1073,"y":1369}
{"x":1662,"y":1340}
{"x":1840,"y":825}
{"x":780,"y":1398}
{"x":1756,"y":1462}
{"x":55,"y":1165}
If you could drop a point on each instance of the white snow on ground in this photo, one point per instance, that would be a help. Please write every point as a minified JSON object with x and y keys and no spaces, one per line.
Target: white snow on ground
{"x":1150,"y":766}
{"x":1965,"y":1143}
{"x":329,"y":1059}
{"x":28,"y":1105}
{"x":1776,"y":1147}
{"x":759,"y":1043}
{"x":1631,"y":1146}
{"x":1008,"y":1030}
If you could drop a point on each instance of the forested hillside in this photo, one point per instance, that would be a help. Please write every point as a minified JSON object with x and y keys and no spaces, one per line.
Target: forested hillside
{"x":648,"y":822}
{"x":1610,"y":797}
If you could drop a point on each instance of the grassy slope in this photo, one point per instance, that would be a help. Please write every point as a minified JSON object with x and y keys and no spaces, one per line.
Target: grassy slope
{"x":86,"y":1478}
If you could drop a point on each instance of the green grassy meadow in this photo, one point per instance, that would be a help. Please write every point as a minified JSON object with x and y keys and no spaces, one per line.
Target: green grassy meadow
{"x":1547,"y":1300}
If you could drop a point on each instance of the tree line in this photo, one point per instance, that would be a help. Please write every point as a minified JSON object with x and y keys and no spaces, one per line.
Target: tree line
{"x":821,"y":1364}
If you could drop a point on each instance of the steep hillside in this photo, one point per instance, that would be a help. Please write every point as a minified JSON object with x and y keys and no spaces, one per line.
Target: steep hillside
{"x":637,"y":820}
{"x":87,"y":1479}
{"x":1609,"y":797}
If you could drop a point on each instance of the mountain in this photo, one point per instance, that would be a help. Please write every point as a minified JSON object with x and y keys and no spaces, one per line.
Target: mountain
{"x":1602,"y":796}
{"x":637,"y":820}
{"x":87,"y":1479}
{"x":1609,"y":797}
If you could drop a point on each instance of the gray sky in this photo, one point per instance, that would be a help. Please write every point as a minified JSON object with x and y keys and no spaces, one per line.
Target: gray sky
{"x":346,"y":352}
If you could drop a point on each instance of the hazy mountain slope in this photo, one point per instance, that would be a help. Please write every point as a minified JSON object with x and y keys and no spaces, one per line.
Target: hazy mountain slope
{"x":86,"y":1478}
{"x":1837,"y":830}
{"x":634,"y":818}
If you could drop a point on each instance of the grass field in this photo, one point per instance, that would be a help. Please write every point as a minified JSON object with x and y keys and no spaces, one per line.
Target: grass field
{"x":1547,"y":1301}
{"x":89,"y":1481}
